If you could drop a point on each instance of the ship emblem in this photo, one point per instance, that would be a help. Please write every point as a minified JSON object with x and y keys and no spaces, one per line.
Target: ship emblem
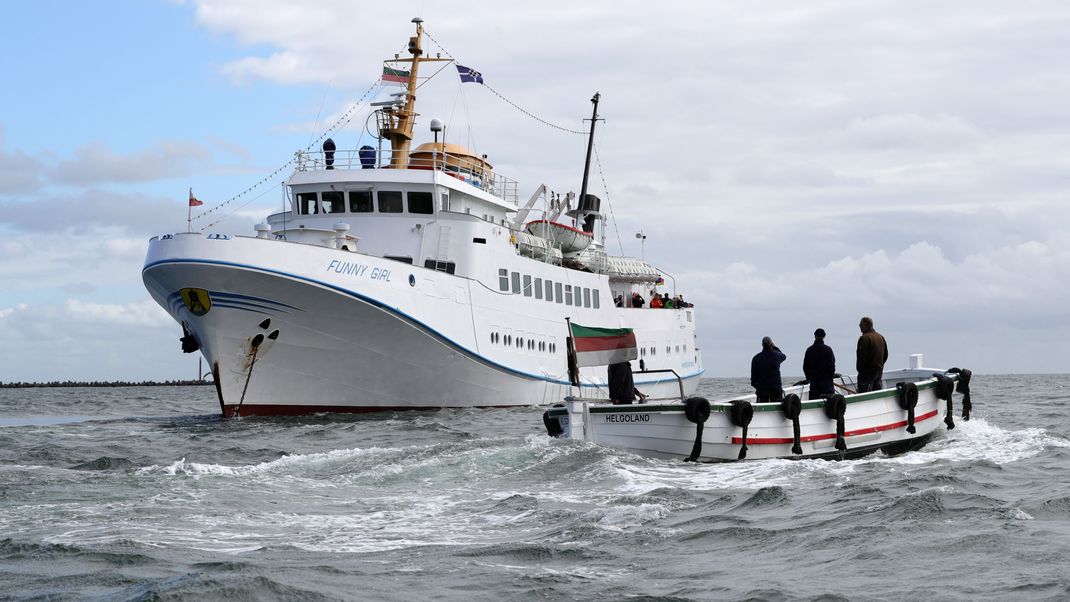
{"x":197,"y":300}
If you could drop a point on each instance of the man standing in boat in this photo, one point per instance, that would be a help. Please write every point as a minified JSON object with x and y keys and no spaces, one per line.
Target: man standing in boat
{"x":872,"y":354}
{"x":765,"y":372}
{"x":819,"y":366}
{"x":621,"y":384}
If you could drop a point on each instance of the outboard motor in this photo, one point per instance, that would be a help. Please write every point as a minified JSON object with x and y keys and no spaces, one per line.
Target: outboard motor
{"x":328,"y":153}
{"x":367,"y":157}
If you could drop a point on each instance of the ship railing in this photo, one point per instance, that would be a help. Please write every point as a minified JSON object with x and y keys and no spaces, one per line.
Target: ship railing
{"x":458,"y":166}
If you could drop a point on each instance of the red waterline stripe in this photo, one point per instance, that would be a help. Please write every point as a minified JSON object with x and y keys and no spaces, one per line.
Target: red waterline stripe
{"x":865,"y":431}
{"x":298,"y":410}
{"x":626,"y":341}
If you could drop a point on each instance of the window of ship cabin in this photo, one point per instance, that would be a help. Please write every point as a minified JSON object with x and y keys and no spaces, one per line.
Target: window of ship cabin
{"x":333,"y":201}
{"x":516,"y":282}
{"x":557,"y":292}
{"x":568,"y":294}
{"x":503,"y":280}
{"x":538,"y":288}
{"x":389,"y":201}
{"x":444,"y":200}
{"x":527,"y":285}
{"x":586,"y":297}
{"x":307,"y":203}
{"x":421,"y":202}
{"x":549,"y":290}
{"x":595,"y":299}
{"x":360,"y":201}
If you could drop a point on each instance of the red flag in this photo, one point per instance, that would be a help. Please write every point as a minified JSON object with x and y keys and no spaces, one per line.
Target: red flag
{"x":193,"y":202}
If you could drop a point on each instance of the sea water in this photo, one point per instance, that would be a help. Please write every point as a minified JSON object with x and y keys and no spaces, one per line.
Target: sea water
{"x":146,"y":493}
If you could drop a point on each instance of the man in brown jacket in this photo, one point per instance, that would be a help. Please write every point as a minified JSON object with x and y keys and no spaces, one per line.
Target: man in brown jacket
{"x":872,"y":354}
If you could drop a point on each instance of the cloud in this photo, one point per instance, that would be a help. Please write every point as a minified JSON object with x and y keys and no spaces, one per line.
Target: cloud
{"x":95,"y":163}
{"x":89,"y":207}
{"x":19,"y":172}
{"x":89,"y":341}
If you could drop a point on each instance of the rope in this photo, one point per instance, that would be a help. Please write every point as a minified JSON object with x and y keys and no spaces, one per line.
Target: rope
{"x":239,"y":208}
{"x":341,"y":121}
{"x":605,"y":187}
{"x":509,"y":102}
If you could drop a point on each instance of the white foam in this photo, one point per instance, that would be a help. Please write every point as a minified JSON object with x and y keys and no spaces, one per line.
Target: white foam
{"x":977,"y":440}
{"x":621,"y":517}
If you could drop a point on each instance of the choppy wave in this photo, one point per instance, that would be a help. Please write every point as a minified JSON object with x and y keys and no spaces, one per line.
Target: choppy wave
{"x":443,"y":504}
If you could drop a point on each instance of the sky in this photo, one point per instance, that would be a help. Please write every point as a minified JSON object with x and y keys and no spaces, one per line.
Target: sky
{"x":792,"y":165}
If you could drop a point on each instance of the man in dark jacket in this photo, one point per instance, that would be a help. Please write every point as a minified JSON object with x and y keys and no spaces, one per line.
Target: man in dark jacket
{"x":872,"y":354}
{"x":622,"y":385}
{"x":765,"y":372}
{"x":819,"y":366}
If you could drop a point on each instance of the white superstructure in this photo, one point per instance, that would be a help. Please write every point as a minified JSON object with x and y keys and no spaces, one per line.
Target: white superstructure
{"x":404,"y":283}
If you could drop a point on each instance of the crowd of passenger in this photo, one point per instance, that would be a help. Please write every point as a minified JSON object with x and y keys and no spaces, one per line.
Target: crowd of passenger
{"x":662,"y":301}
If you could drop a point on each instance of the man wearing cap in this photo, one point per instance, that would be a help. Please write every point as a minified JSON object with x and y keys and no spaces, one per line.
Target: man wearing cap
{"x":819,"y":366}
{"x":872,"y":354}
{"x":765,"y":372}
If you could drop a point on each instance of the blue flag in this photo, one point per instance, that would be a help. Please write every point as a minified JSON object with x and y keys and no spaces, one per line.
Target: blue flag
{"x":469,"y":75}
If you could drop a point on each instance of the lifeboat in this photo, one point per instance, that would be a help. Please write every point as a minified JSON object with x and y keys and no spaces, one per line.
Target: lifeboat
{"x":566,"y":238}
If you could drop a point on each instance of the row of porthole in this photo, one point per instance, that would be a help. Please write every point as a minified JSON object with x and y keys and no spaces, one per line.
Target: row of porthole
{"x":644,"y":351}
{"x":521,"y":343}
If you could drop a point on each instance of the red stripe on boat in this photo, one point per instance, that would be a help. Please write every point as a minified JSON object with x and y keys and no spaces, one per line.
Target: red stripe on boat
{"x":865,"y":431}
{"x":626,"y":341}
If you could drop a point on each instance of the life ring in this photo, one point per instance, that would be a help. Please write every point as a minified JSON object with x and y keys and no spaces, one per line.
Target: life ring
{"x":792,"y":408}
{"x":553,"y":425}
{"x":836,"y":409}
{"x":964,"y":387}
{"x":697,"y":409}
{"x":944,"y":389}
{"x":907,"y":396}
{"x":741,"y":414}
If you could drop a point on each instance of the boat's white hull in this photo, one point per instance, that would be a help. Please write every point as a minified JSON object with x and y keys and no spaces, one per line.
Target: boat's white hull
{"x":872,"y":421}
{"x":339,"y":346}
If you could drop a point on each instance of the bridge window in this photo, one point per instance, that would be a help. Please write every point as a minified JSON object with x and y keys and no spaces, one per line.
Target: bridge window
{"x":421,"y":202}
{"x":442,"y":266}
{"x":360,"y":201}
{"x":307,"y":203}
{"x":389,"y":201}
{"x":333,"y":201}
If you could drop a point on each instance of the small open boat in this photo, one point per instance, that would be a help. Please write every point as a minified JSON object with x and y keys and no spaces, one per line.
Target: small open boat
{"x":899,"y":418}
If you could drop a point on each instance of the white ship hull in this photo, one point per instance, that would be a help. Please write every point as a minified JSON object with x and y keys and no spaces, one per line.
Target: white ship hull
{"x":362,"y":333}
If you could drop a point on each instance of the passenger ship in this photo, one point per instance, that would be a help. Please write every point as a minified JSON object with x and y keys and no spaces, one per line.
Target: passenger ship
{"x":410,"y":279}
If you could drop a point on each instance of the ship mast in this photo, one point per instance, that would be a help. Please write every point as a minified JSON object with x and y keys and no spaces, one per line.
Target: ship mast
{"x":396,"y":122}
{"x":590,"y":145}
